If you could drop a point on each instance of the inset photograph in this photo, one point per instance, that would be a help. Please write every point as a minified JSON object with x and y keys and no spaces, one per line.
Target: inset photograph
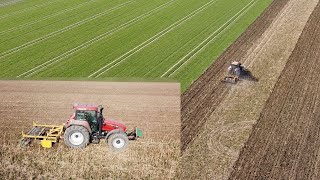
{"x":89,"y":130}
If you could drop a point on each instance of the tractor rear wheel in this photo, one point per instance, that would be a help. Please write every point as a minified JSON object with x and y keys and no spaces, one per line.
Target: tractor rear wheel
{"x":118,"y":141}
{"x":76,"y":137}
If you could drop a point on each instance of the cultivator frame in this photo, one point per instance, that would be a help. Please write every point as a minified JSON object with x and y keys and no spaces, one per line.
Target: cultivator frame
{"x":48,"y":134}
{"x":230,"y":79}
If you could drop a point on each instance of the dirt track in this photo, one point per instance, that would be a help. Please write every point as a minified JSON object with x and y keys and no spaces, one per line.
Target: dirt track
{"x":226,"y":113}
{"x":153,"y":107}
{"x":285,"y":142}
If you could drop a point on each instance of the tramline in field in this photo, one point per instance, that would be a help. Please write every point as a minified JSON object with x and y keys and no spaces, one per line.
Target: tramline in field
{"x":172,"y":39}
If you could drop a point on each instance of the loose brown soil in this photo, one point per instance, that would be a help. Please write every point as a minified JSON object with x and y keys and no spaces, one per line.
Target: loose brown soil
{"x":205,"y":94}
{"x":285,"y":143}
{"x":153,"y":107}
{"x":219,"y":124}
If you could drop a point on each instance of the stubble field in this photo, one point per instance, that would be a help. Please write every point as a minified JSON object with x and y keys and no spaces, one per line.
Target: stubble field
{"x":153,"y":107}
{"x":285,"y":142}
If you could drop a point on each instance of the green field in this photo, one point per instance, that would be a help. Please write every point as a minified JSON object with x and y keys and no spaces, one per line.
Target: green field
{"x":96,"y":39}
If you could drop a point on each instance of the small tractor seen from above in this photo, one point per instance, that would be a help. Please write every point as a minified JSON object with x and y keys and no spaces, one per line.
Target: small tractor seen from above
{"x":86,"y":125}
{"x":236,"y":72}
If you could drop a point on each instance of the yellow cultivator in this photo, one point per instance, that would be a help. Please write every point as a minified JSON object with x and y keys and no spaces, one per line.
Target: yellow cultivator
{"x":48,"y":134}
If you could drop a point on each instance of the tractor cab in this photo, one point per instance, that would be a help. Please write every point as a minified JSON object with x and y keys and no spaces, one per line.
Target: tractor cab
{"x":236,"y":64}
{"x":87,"y":113}
{"x":236,"y":69}
{"x":92,"y":114}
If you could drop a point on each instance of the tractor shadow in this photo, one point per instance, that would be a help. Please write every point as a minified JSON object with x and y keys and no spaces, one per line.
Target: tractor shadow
{"x":247,"y":75}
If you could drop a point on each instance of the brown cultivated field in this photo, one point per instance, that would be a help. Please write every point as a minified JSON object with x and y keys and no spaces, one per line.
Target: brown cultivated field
{"x":207,"y":92}
{"x":285,"y":143}
{"x":217,"y":119}
{"x":153,"y":107}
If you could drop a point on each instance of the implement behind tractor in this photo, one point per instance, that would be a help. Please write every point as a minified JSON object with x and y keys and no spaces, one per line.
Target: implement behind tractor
{"x":48,"y":134}
{"x":86,"y":125}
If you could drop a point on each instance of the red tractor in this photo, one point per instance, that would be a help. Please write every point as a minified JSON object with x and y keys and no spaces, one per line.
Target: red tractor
{"x":237,"y":72}
{"x":86,"y":125}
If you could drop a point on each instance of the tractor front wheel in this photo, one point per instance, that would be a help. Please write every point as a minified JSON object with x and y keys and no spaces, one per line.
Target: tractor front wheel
{"x":118,"y":141}
{"x":76,"y":137}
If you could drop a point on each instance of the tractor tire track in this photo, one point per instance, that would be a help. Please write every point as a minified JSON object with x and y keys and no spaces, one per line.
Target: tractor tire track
{"x":60,"y":31}
{"x":27,"y":9}
{"x":9,"y":3}
{"x":92,"y":41}
{"x":165,"y":60}
{"x":151,"y":40}
{"x":46,"y":17}
{"x":172,"y":70}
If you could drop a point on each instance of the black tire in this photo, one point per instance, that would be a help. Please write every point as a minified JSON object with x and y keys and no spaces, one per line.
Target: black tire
{"x":76,"y":137}
{"x":237,"y":72}
{"x":118,"y":141}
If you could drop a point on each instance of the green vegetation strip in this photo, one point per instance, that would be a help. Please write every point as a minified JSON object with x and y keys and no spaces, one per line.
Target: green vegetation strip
{"x":174,"y":39}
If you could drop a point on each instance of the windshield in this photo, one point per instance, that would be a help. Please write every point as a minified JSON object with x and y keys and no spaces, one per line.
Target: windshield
{"x":88,"y":115}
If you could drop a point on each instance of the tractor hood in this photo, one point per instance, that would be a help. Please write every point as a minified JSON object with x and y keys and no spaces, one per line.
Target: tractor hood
{"x":110,"y":125}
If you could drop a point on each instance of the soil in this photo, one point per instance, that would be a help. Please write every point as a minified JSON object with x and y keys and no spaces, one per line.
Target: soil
{"x":285,"y":142}
{"x":217,"y":118}
{"x":205,"y":94}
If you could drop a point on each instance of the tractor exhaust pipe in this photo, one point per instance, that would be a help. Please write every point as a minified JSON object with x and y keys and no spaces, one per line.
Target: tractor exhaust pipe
{"x":100,"y":121}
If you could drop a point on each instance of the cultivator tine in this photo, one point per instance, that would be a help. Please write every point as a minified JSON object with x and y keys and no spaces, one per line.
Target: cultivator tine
{"x":26,"y":141}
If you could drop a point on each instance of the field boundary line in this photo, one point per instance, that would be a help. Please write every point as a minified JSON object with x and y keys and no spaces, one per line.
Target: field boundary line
{"x":60,"y":31}
{"x":92,"y":41}
{"x":173,"y":69}
{"x":175,"y":52}
{"x":9,"y":3}
{"x":27,"y":9}
{"x":46,"y":17}
{"x":150,"y":41}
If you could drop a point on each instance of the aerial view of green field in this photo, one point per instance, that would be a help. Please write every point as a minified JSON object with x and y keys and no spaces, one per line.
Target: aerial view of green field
{"x":96,"y":39}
